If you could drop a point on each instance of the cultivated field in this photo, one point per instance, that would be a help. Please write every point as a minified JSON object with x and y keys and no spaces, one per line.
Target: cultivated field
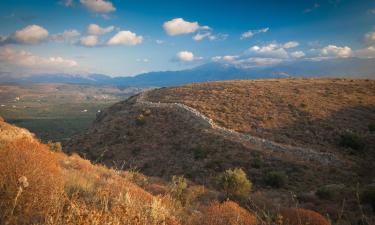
{"x":57,"y":111}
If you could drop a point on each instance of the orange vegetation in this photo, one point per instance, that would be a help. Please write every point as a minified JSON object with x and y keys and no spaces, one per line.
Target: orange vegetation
{"x":227,"y":213}
{"x":297,"y":216}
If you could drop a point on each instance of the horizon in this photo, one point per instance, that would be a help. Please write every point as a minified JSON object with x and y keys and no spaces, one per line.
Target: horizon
{"x":126,"y":39}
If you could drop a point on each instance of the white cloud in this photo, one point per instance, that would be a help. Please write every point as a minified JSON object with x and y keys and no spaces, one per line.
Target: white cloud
{"x":335,"y":51}
{"x":98,"y":6}
{"x":371,"y":11}
{"x":185,"y":56}
{"x":201,"y":36}
{"x":66,"y":35}
{"x":251,"y":33}
{"x":31,"y":34}
{"x":125,"y":38}
{"x":216,"y":58}
{"x":179,"y":26}
{"x":229,"y":58}
{"x":297,"y":54}
{"x":145,"y":60}
{"x":159,"y":42}
{"x":67,"y":3}
{"x":369,"y":38}
{"x":89,"y":41}
{"x":368,"y":52}
{"x":94,"y":29}
{"x":314,"y":7}
{"x":22,"y":62}
{"x":270,"y":50}
{"x":291,"y":44}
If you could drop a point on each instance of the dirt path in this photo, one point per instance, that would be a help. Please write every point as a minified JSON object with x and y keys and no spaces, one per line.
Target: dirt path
{"x":305,"y":154}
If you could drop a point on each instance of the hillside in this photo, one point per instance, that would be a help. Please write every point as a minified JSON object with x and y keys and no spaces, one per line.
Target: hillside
{"x":41,"y":185}
{"x":296,"y":128}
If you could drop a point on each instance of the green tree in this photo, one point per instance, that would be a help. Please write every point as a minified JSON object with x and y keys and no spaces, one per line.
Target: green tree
{"x":234,"y":182}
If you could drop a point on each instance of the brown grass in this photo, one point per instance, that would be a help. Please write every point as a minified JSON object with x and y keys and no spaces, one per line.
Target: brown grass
{"x":227,"y":213}
{"x":297,"y":216}
{"x":43,"y":196}
{"x":293,"y":111}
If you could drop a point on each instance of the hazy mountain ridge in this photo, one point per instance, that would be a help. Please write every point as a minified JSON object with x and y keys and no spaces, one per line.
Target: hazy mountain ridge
{"x":216,"y":71}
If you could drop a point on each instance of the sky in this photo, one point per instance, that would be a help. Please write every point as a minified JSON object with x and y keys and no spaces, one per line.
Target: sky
{"x":129,"y":37}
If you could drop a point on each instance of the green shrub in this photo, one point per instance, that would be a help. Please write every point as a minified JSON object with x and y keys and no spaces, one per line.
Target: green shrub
{"x":234,"y":182}
{"x":325,"y":193}
{"x":368,"y":197}
{"x":200,"y":153}
{"x":140,"y":120}
{"x":371,"y":127}
{"x":352,"y":140}
{"x":54,"y":146}
{"x":178,"y":189}
{"x":276,"y":179}
{"x":257,"y":163}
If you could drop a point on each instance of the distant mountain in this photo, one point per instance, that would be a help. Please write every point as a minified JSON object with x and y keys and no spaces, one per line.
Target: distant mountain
{"x":344,"y":67}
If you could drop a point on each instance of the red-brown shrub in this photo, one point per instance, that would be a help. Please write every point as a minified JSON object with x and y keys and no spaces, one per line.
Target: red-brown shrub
{"x":227,"y":213}
{"x":298,"y":216}
{"x":42,"y":195}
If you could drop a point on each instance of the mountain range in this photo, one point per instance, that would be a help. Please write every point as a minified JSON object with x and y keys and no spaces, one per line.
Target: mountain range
{"x":216,"y":71}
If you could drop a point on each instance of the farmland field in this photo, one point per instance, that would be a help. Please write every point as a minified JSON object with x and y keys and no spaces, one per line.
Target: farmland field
{"x":57,"y":111}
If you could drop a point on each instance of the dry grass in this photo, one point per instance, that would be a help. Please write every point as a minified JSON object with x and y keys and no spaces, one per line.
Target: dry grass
{"x":296,"y":216}
{"x":43,"y":196}
{"x":293,"y":111}
{"x":227,"y":213}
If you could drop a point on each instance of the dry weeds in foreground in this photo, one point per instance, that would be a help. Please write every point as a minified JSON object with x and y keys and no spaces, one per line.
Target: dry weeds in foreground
{"x":38,"y":186}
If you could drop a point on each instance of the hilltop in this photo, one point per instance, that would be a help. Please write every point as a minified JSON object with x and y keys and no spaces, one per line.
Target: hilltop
{"x":296,"y":128}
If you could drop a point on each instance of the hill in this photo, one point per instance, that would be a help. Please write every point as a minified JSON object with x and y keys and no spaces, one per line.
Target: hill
{"x":41,"y":185}
{"x":289,"y":130}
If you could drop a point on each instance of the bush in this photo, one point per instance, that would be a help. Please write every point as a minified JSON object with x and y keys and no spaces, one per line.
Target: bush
{"x":227,"y":213}
{"x":325,"y":193}
{"x":234,"y":182}
{"x":276,"y":179}
{"x":368,"y":197}
{"x":178,"y":188}
{"x":140,"y":120}
{"x":54,"y":146}
{"x":371,"y":127}
{"x":352,"y":140}
{"x":200,"y":153}
{"x":298,"y":216}
{"x":257,"y":163}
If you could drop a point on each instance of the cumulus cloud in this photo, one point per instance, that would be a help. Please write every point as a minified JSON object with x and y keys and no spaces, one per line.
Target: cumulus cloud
{"x":246,"y":61}
{"x":185,"y":56}
{"x":21,"y":62}
{"x":270,"y":50}
{"x":251,"y":33}
{"x":94,"y":29}
{"x":335,"y":51}
{"x":89,"y":41}
{"x":125,"y":38}
{"x":98,"y":6}
{"x":369,"y":38}
{"x":297,"y":54}
{"x":32,"y":34}
{"x":368,"y":52}
{"x":66,"y":35}
{"x":179,"y":26}
{"x":201,"y":36}
{"x":291,"y":44}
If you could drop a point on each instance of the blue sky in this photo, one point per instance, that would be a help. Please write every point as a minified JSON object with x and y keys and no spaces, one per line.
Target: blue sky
{"x":128,"y":37}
